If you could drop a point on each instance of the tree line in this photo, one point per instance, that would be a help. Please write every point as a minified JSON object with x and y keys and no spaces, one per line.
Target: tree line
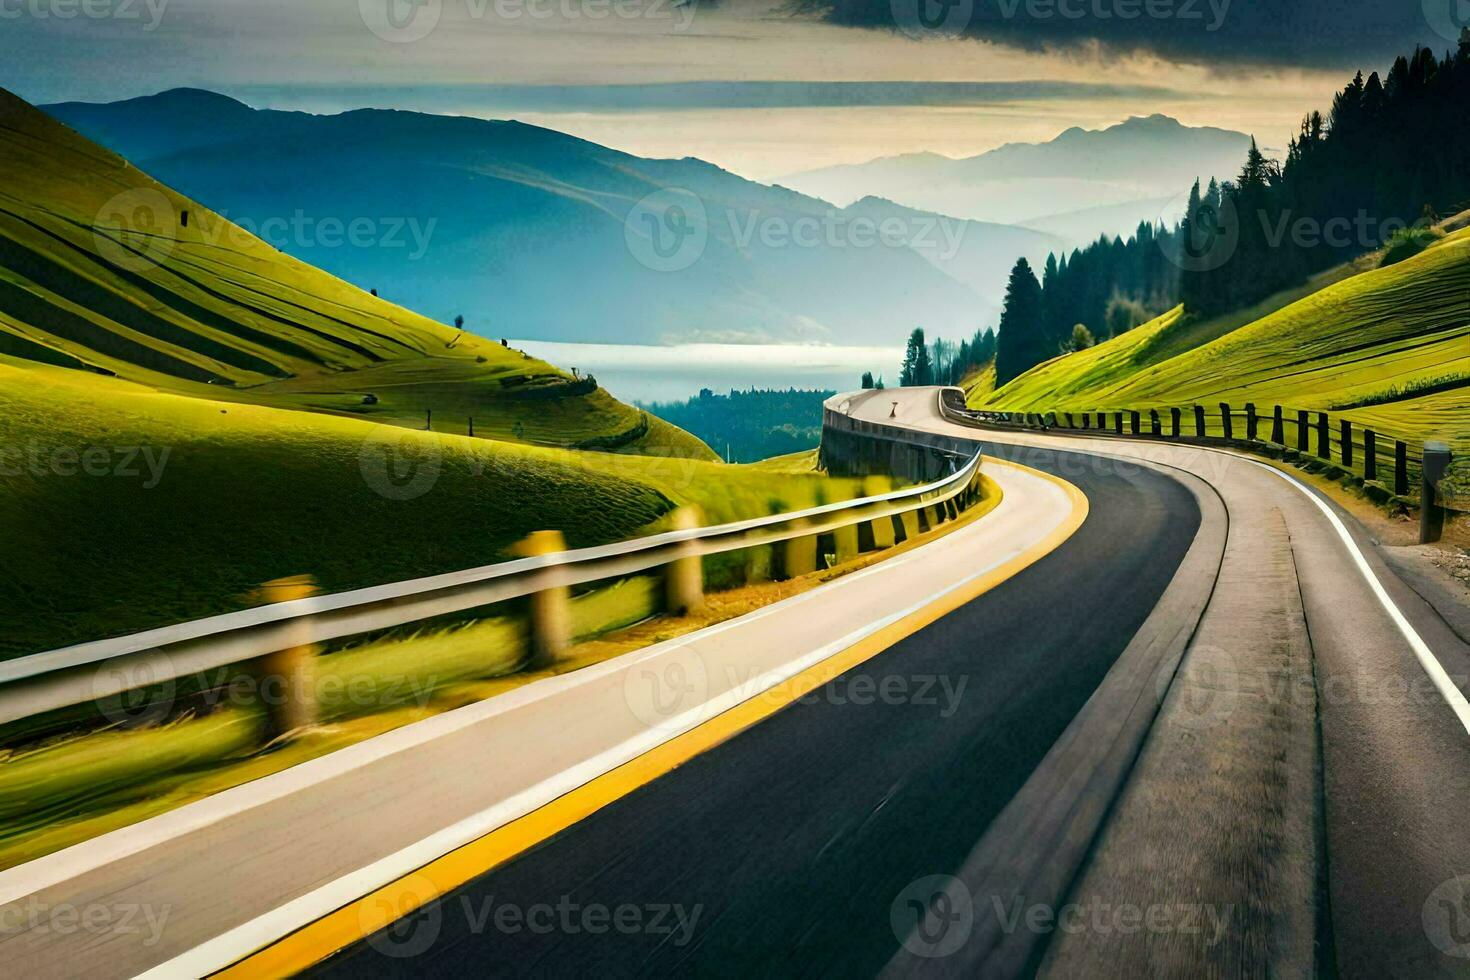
{"x":943,"y":362}
{"x":1390,"y":157}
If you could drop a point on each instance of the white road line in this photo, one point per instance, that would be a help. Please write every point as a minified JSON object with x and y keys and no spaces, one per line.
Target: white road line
{"x":1447,"y":688}
{"x":249,"y":937}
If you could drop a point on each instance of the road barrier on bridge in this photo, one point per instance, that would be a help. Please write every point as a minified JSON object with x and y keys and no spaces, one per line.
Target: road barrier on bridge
{"x":545,"y":573}
{"x":1336,"y":447}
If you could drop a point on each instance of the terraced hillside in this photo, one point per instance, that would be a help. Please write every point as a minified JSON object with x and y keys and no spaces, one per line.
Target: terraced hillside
{"x":1389,"y":347}
{"x":185,"y":414}
{"x":104,"y":269}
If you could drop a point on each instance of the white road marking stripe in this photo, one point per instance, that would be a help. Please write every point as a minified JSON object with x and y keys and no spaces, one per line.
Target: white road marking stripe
{"x":1447,"y":688}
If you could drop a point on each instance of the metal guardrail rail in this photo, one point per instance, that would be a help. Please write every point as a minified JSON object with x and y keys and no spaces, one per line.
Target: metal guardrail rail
{"x":42,"y":682}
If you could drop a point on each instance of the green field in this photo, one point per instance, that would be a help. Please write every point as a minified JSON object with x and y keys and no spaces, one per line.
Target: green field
{"x":187,"y":413}
{"x":101,"y":269}
{"x":1388,"y":348}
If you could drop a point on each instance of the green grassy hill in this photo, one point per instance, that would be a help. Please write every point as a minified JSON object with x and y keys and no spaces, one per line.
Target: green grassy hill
{"x":1388,"y":347}
{"x":185,"y":414}
{"x":105,"y":269}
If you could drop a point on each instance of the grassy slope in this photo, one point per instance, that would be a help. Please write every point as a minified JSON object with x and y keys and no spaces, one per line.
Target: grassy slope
{"x":96,"y":269}
{"x":247,"y":493}
{"x":1381,"y":335}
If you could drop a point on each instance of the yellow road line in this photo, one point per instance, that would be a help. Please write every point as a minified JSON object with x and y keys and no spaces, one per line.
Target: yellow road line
{"x":352,"y":923}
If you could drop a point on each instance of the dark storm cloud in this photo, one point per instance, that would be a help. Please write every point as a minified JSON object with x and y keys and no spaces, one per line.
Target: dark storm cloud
{"x":1308,"y":33}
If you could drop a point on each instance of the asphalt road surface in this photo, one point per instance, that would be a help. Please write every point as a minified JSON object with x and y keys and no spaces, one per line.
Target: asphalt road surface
{"x":786,"y":849}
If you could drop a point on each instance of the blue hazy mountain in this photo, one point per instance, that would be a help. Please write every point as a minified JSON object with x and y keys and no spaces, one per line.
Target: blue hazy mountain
{"x":532,"y":233}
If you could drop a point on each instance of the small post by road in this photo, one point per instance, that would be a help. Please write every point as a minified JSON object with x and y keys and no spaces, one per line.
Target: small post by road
{"x":1302,"y":431}
{"x":1370,"y":454}
{"x":1431,"y":508}
{"x":1155,"y":424}
{"x":1174,"y":418}
{"x":1401,"y":469}
{"x":1324,"y":438}
{"x":1225,"y":421}
{"x":1199,"y":421}
{"x":288,"y":676}
{"x":551,"y":604}
{"x":684,"y":576}
{"x":1278,"y":427}
{"x":1252,"y":422}
{"x":1345,"y":439}
{"x":1133,"y":421}
{"x":1086,"y":420}
{"x":1118,"y":423}
{"x":1071,"y":423}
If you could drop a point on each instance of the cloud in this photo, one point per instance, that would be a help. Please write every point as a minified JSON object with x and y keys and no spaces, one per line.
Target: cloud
{"x":1341,"y":34}
{"x":676,"y":96}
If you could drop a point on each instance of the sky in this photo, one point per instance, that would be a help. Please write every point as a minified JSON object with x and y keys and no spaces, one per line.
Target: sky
{"x":760,"y":88}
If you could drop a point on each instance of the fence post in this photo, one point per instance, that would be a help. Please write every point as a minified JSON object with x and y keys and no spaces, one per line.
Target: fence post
{"x":1086,"y":420}
{"x":684,"y":576}
{"x":1278,"y":427}
{"x":1071,"y":422}
{"x":1228,"y":424}
{"x":1370,"y":454}
{"x":1133,"y":421}
{"x":1118,"y":423}
{"x":1400,"y":469}
{"x":799,"y":555}
{"x":1346,"y":430}
{"x":288,"y":676}
{"x":551,"y":603}
{"x":1324,"y":439}
{"x":1252,"y":422}
{"x":1156,"y":425}
{"x":1303,"y":440}
{"x":1431,"y":510}
{"x":1174,"y":414}
{"x":1199,"y":421}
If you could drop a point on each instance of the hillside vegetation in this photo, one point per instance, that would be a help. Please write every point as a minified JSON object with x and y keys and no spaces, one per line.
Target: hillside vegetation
{"x":186,"y":413}
{"x":1389,"y":347}
{"x":105,"y":269}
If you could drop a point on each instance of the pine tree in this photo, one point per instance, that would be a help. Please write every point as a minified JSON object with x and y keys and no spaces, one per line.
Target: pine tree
{"x":1021,"y":342}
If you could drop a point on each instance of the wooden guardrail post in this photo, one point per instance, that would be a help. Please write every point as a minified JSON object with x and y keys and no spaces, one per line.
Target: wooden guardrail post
{"x":1227,"y":422}
{"x":1370,"y":454}
{"x":1401,"y":469}
{"x":1071,"y":423}
{"x":1345,"y":442}
{"x":1118,"y":423}
{"x":1431,"y":508}
{"x":1174,"y":418}
{"x":1252,"y":422}
{"x":1303,"y":431}
{"x":1133,"y":421}
{"x":287,"y":677}
{"x":1278,"y":427}
{"x":1154,"y":423}
{"x":550,"y":625}
{"x":799,"y":556}
{"x":684,"y":576}
{"x":1324,"y":439}
{"x":1199,"y":421}
{"x":1086,"y":420}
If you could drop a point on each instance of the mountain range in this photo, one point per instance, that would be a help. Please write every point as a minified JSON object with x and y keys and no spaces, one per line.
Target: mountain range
{"x":532,"y":233}
{"x":1079,"y":185}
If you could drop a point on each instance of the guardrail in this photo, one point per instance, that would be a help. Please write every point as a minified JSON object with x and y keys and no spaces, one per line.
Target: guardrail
{"x":38,"y":683}
{"x":1384,"y":465}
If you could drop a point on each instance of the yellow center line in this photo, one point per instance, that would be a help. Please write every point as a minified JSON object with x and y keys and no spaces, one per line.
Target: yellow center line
{"x":352,"y":923}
